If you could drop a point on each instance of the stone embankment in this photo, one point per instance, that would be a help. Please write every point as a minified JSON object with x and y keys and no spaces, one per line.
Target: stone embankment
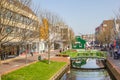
{"x":114,"y":67}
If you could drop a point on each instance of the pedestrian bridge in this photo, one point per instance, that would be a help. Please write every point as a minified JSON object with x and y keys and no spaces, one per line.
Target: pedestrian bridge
{"x":91,"y":54}
{"x":84,"y":58}
{"x":96,"y":61}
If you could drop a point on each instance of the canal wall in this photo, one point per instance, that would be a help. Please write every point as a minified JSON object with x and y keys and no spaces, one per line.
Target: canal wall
{"x":113,"y":70}
{"x":61,"y":72}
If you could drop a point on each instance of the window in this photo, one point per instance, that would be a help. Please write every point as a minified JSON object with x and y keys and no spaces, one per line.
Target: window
{"x":8,"y":29}
{"x":104,"y":25}
{"x":9,"y":14}
{"x":11,"y":1}
{"x":17,"y":17}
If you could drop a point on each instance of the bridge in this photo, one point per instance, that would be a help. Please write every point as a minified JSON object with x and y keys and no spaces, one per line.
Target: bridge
{"x":79,"y":61}
{"x":92,"y":54}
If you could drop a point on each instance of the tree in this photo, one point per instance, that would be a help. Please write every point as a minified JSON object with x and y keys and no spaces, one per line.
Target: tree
{"x":106,"y":32}
{"x":50,"y":30}
{"x":14,"y":27}
{"x":71,"y":37}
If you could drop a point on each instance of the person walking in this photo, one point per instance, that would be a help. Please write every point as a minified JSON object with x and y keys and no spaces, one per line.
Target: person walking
{"x":115,"y":53}
{"x":31,"y":52}
{"x":118,"y":53}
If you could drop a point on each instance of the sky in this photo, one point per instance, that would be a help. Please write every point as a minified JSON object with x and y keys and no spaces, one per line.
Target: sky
{"x":83,"y":16}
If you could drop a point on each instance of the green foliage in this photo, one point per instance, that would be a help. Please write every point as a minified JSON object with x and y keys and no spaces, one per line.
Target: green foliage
{"x":83,"y":61}
{"x":101,"y":54}
{"x":91,"y":54}
{"x":98,"y":53}
{"x":86,"y":53}
{"x":37,"y":71}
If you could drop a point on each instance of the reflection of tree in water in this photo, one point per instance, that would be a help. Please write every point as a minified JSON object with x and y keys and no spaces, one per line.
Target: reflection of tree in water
{"x":78,"y":62}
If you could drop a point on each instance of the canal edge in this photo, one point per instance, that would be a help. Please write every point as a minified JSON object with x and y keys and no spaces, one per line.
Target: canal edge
{"x":60,"y":73}
{"x":112,"y":69}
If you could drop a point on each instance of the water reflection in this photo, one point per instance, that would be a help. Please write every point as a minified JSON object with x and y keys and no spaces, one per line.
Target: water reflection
{"x":90,"y":63}
{"x":76,"y":74}
{"x":87,"y":63}
{"x":88,"y":75}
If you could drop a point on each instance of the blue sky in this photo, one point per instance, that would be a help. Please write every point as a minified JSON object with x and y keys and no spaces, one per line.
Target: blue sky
{"x":82,"y":15}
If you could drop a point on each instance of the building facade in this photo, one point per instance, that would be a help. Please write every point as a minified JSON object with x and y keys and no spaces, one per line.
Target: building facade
{"x":108,"y":31}
{"x":19,"y":27}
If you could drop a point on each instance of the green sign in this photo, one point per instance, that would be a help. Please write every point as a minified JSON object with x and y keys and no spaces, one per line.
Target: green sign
{"x":79,"y":43}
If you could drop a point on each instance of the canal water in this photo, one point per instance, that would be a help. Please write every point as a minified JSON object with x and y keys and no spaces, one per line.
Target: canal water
{"x":77,"y":74}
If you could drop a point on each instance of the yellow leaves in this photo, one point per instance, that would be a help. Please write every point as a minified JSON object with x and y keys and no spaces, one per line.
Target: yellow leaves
{"x":44,"y":29}
{"x":45,"y":23}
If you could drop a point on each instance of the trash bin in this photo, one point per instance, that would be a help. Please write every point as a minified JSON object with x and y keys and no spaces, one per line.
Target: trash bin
{"x":39,"y":58}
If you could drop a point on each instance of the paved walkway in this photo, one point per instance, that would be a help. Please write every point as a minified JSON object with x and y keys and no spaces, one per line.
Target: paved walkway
{"x":61,"y":59}
{"x":15,"y":63}
{"x":115,"y":63}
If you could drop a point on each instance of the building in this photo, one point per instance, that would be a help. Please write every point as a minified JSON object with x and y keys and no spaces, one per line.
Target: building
{"x":88,"y":37}
{"x":65,"y":36}
{"x":108,"y":31}
{"x":19,"y":27}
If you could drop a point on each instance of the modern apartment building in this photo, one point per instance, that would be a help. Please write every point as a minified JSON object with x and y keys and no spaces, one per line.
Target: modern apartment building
{"x":19,"y":27}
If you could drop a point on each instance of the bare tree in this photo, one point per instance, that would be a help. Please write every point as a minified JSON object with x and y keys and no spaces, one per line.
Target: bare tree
{"x":51,"y":34}
{"x":71,"y":37}
{"x":13,"y":26}
{"x":106,"y":32}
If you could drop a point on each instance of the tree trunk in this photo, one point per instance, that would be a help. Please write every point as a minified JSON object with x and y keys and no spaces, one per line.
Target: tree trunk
{"x":48,"y":52}
{"x":26,"y":52}
{"x":0,"y":53}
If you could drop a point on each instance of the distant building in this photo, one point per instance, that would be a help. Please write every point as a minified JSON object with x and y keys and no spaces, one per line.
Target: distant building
{"x":88,"y":37}
{"x":112,"y":28}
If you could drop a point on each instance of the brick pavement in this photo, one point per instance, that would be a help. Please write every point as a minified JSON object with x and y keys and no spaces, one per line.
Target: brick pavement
{"x":18,"y":62}
{"x":61,"y":59}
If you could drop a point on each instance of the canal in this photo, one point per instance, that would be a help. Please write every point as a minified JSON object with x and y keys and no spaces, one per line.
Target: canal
{"x":89,"y":71}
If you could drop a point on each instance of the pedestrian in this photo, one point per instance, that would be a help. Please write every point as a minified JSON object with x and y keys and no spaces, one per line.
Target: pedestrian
{"x":110,"y":51}
{"x":31,"y":52}
{"x":115,"y":53}
{"x":60,"y":51}
{"x":118,"y":53}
